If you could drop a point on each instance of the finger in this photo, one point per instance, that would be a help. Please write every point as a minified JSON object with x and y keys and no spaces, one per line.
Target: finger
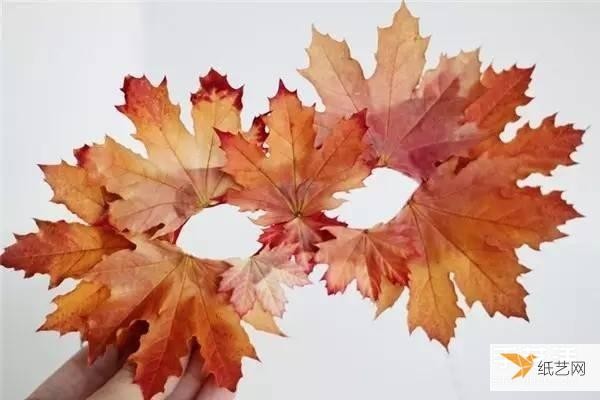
{"x":191,"y":381}
{"x":76,"y":380}
{"x":122,"y":386}
{"x":119,"y":387}
{"x":210,"y":391}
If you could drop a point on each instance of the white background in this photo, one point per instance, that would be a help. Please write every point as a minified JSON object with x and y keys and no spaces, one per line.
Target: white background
{"x":63,"y":65}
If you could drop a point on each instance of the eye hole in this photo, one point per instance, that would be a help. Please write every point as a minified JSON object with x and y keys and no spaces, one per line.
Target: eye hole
{"x":219,"y":233}
{"x":385,"y":193}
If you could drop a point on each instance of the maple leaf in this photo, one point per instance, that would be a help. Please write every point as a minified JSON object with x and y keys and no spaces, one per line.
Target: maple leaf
{"x":181,"y":175}
{"x":389,"y":293}
{"x":73,"y":308}
{"x":304,"y":233}
{"x":498,"y":97}
{"x":176,"y":294}
{"x":74,"y":188}
{"x":262,"y":320}
{"x":367,"y":255}
{"x":291,"y":179}
{"x":62,"y":250}
{"x":415,"y":119}
{"x":466,"y":220}
{"x":260,"y":279}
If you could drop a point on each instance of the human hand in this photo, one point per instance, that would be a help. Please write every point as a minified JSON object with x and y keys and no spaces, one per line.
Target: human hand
{"x":110,"y":378}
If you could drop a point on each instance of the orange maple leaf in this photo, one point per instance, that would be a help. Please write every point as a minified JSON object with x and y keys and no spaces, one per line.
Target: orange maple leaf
{"x":369,"y":256}
{"x":62,"y":250}
{"x":415,"y":119}
{"x":178,"y":295}
{"x":74,"y":188}
{"x":467,"y":219}
{"x":182,"y":172}
{"x":291,"y":179}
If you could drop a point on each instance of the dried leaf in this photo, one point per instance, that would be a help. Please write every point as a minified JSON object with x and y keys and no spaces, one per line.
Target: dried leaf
{"x":416,"y":120}
{"x":181,"y":175}
{"x":62,"y":250}
{"x":177,"y":295}
{"x":260,"y":279}
{"x":294,"y":181}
